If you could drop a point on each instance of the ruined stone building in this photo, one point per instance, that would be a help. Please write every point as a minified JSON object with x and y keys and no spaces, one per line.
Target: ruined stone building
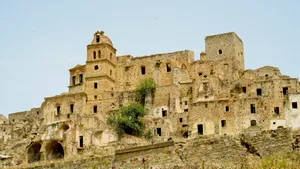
{"x":213,"y":95}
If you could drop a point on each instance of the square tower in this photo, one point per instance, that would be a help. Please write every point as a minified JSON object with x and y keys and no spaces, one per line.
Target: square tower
{"x":225,"y":46}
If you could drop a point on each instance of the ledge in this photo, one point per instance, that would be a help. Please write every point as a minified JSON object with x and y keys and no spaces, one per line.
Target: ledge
{"x":144,"y":148}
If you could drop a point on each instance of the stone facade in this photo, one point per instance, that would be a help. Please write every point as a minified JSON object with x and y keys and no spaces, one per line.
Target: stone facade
{"x":211,"y":96}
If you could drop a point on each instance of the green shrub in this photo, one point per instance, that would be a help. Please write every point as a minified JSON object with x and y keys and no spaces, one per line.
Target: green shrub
{"x":128,"y":120}
{"x":148,"y":135}
{"x":145,"y":87}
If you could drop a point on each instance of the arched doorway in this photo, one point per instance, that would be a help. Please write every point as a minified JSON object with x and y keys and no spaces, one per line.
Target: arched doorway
{"x":33,"y":152}
{"x":54,"y":150}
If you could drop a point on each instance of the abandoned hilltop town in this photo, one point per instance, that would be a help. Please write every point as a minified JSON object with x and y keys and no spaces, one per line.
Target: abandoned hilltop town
{"x":210,"y":110}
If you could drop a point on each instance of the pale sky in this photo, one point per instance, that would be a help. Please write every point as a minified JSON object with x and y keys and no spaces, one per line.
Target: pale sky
{"x":41,"y":40}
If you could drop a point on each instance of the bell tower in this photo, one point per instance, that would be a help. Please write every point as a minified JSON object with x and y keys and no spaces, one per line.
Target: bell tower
{"x":100,"y":65}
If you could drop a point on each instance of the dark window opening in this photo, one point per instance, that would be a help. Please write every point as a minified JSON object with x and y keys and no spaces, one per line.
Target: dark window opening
{"x":13,"y":120}
{"x":185,"y":102}
{"x":94,"y":54}
{"x":200,"y":129}
{"x":158,"y":131}
{"x":95,"y":85}
{"x":143,"y":70}
{"x":37,"y":112}
{"x":98,"y":39}
{"x":99,"y":54}
{"x":274,"y":122}
{"x":80,"y":141}
{"x":285,"y":91}
{"x":180,"y":120}
{"x":57,"y":110}
{"x":223,"y":123}
{"x":110,"y":57}
{"x":71,"y":108}
{"x":244,"y":89}
{"x":73,"y":80}
{"x":294,"y":105}
{"x":227,"y":108}
{"x":266,"y":75}
{"x":206,"y":105}
{"x":258,"y":92}
{"x":168,"y":67}
{"x":200,"y":73}
{"x":220,"y":51}
{"x":276,"y":110}
{"x":252,"y":108}
{"x":95,"y":109}
{"x":68,"y":116}
{"x":186,"y":110}
{"x":80,"y":78}
{"x":96,"y":67}
{"x":110,"y":72}
{"x":164,"y":113}
{"x":205,"y":75}
{"x":253,"y":123}
{"x":95,"y":97}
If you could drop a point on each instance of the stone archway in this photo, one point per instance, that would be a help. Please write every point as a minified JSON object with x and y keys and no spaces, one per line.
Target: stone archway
{"x":33,"y":152}
{"x":54,"y":150}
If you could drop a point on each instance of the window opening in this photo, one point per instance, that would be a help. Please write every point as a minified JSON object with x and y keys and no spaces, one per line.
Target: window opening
{"x":244,"y":89}
{"x":227,"y":108}
{"x":252,"y":108}
{"x":285,"y":91}
{"x":94,"y":53}
{"x":258,"y":92}
{"x":294,"y":105}
{"x":143,"y":70}
{"x":168,"y":67}
{"x":200,"y":129}
{"x":223,"y":123}
{"x":80,"y":141}
{"x":71,"y":108}
{"x":95,"y":109}
{"x":253,"y":123}
{"x":73,"y":80}
{"x":276,"y":110}
{"x":164,"y":113}
{"x":80,"y":78}
{"x":158,"y":131}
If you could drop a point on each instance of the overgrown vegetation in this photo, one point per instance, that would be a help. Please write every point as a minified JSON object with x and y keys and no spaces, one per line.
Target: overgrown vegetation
{"x":128,"y":120}
{"x":145,"y":87}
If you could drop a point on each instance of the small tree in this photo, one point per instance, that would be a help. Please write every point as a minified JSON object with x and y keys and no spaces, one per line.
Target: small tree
{"x":145,"y":87}
{"x":128,"y":120}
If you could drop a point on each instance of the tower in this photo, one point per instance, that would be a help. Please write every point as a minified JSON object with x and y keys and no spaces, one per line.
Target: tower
{"x":227,"y":53}
{"x":225,"y":46}
{"x":100,"y":65}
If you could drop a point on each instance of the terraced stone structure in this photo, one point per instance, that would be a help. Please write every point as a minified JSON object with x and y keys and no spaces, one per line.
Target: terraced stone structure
{"x":211,"y":96}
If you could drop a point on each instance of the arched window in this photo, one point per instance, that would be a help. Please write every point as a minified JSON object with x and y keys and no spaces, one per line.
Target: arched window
{"x":94,"y":54}
{"x":99,"y":54}
{"x":253,"y":123}
{"x":98,"y":38}
{"x":95,"y":85}
{"x":110,"y":56}
{"x":96,"y":67}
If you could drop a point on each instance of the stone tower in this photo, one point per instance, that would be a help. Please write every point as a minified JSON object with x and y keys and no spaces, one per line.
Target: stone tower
{"x":228,"y":50}
{"x":100,"y":66}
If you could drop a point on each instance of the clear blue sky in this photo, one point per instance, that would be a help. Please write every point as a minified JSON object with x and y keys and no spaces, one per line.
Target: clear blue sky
{"x":41,"y":40}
